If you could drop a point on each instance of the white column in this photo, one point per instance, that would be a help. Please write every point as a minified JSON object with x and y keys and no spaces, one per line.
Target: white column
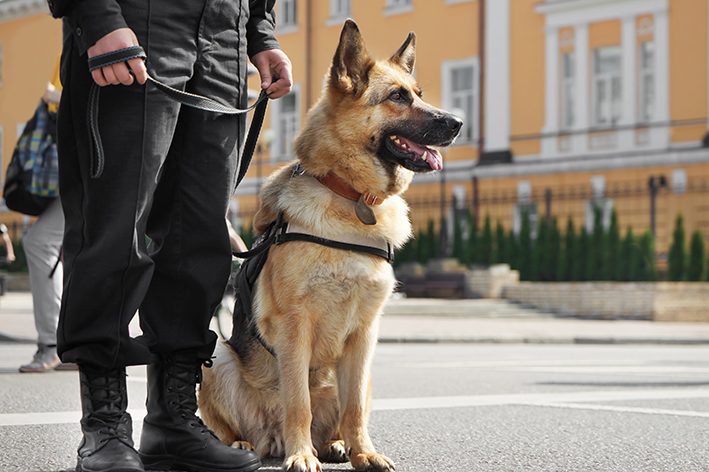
{"x":583,"y":91}
{"x":551,"y":92}
{"x":626,"y":138}
{"x":497,"y":76}
{"x":660,"y":136}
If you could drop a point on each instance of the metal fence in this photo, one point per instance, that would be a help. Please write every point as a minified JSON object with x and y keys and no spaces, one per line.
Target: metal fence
{"x":639,"y":205}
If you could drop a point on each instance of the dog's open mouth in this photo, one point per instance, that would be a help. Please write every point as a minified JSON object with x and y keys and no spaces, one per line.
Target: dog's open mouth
{"x":406,"y":149}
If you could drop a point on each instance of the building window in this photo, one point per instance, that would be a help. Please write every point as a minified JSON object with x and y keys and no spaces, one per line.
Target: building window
{"x":568,"y":89}
{"x":646,"y":81}
{"x":679,"y":181}
{"x":340,"y":9}
{"x":287,"y":13}
{"x":460,"y":94}
{"x":286,"y":123}
{"x":394,"y":7}
{"x":606,"y":86}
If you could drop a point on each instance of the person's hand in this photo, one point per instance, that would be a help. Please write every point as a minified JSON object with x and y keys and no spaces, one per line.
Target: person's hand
{"x":118,"y":73}
{"x":10,"y":258}
{"x":52,"y":95}
{"x":276,"y":72}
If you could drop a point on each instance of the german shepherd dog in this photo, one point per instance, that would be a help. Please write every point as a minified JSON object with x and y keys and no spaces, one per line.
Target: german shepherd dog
{"x":303,"y":390}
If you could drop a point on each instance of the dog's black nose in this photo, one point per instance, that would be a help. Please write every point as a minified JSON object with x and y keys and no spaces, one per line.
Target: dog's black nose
{"x":454,"y":123}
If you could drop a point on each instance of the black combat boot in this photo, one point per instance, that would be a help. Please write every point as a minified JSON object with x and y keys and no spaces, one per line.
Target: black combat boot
{"x":174,"y":437}
{"x":107,"y":445}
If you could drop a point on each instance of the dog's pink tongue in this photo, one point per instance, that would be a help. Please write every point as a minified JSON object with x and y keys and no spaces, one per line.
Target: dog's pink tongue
{"x":432,"y":156}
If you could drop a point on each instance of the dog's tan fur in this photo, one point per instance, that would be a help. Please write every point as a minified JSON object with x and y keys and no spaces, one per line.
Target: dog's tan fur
{"x":316,"y":306}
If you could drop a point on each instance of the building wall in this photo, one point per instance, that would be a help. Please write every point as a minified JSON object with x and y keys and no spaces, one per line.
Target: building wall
{"x":520,"y":48}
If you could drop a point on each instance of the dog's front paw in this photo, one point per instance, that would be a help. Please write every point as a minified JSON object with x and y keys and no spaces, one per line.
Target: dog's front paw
{"x":245,"y":445}
{"x":372,"y":461}
{"x":302,"y":463}
{"x":333,"y":451}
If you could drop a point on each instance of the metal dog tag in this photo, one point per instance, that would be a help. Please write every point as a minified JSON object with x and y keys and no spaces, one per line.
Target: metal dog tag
{"x":364,"y":213}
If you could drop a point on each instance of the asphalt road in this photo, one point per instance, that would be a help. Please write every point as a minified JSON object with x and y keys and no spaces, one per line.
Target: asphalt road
{"x":452,"y":407}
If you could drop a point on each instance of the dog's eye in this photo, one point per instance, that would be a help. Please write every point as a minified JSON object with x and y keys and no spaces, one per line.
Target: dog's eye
{"x":396,"y":96}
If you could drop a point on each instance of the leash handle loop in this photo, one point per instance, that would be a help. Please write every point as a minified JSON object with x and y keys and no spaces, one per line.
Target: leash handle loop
{"x":185,"y":98}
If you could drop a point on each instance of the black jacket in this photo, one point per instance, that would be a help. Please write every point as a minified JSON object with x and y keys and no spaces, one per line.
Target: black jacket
{"x":90,"y":20}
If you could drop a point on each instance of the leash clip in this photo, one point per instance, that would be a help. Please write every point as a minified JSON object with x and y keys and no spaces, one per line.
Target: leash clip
{"x":297,"y":170}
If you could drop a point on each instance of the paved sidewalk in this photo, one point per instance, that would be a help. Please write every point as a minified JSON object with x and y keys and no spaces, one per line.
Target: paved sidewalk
{"x":434,"y":320}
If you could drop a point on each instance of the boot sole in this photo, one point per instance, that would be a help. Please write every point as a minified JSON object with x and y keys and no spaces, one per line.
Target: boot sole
{"x":172,"y":463}
{"x":79,"y":468}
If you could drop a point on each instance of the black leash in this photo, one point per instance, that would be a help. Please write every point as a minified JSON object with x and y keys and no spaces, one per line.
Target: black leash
{"x":189,"y":99}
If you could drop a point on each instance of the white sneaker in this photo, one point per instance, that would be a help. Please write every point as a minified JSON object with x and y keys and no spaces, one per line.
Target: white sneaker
{"x":44,"y":359}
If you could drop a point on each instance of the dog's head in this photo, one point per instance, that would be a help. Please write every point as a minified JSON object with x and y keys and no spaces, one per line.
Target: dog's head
{"x":373,"y":110}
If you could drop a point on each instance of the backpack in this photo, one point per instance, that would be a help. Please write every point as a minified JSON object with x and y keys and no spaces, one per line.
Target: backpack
{"x":32,"y":177}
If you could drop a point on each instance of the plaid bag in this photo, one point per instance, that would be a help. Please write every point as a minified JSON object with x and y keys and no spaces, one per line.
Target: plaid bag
{"x":32,"y":178}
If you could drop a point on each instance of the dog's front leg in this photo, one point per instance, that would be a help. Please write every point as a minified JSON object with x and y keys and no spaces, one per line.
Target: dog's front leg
{"x":294,"y":366}
{"x":354,"y":384}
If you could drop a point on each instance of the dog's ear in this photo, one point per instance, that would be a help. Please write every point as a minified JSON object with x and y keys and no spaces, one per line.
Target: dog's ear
{"x":406,"y":55}
{"x":351,"y":64}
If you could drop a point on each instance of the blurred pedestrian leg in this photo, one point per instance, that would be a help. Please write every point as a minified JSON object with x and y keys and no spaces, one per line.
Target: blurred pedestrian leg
{"x":42,"y":245}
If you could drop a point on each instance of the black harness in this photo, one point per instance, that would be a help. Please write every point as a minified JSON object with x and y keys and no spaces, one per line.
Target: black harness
{"x":245,"y":332}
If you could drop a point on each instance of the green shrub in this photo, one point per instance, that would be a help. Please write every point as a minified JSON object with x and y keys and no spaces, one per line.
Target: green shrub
{"x":612,"y":253}
{"x":524,"y":250}
{"x":648,"y":272}
{"x":552,"y":253}
{"x":678,"y":253}
{"x":580,"y":260}
{"x":696,"y":257}
{"x":485,"y":243}
{"x":500,"y":243}
{"x":594,"y":263}
{"x":511,"y":250}
{"x":567,"y":253}
{"x":472,"y":249}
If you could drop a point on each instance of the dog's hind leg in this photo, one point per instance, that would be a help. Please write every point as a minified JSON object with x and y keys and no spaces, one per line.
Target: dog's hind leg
{"x":353,"y":376}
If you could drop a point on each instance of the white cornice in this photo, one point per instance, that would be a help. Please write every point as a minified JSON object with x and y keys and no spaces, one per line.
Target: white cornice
{"x":14,"y":9}
{"x":571,"y":12}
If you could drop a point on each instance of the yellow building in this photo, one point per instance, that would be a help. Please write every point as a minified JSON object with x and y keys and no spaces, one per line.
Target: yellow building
{"x":568,"y":104}
{"x":30,"y":42}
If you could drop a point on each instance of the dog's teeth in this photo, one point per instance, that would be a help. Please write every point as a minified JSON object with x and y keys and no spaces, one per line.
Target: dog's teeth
{"x":425,"y":156}
{"x":397,"y":141}
{"x":393,"y":137}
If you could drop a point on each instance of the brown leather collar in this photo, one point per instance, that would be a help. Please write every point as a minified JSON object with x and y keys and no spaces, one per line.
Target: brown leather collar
{"x":343,"y":189}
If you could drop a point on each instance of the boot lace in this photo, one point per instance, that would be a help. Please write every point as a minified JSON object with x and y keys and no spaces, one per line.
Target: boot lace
{"x":107,"y":397}
{"x":186,"y":378}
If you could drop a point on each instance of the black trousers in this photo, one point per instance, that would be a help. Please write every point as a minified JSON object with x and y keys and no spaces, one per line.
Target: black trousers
{"x":168,"y":178}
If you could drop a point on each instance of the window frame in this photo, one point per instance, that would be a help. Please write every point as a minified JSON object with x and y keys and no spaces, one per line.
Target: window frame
{"x":645,"y":72}
{"x":568,"y":91}
{"x":608,"y":79}
{"x":449,"y":97}
{"x":337,"y":11}
{"x":286,"y":9}
{"x":278,"y":152}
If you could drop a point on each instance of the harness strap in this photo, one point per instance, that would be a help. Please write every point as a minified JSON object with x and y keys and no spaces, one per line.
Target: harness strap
{"x":279,"y":232}
{"x":379,"y":248}
{"x":185,"y":98}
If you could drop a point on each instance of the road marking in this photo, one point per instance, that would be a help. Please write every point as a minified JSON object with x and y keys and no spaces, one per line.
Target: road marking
{"x":624,"y":409}
{"x":53,"y":417}
{"x":384,"y":404}
{"x":586,"y":400}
